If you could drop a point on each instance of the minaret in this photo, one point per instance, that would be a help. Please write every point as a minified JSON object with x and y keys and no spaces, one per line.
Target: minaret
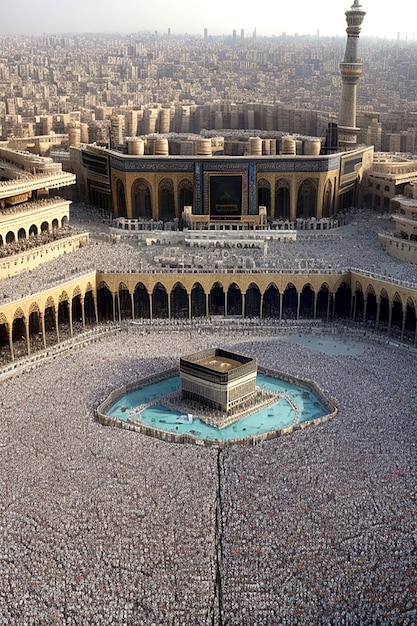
{"x":350,"y":70}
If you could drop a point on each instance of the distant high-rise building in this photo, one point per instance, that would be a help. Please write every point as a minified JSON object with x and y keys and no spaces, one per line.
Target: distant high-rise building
{"x":350,"y":70}
{"x":205,"y":33}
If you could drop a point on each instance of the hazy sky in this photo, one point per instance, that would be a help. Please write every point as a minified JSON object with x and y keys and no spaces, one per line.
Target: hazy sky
{"x":383,"y":19}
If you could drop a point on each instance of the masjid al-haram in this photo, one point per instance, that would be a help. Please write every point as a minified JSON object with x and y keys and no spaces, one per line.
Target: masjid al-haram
{"x":208,"y":392}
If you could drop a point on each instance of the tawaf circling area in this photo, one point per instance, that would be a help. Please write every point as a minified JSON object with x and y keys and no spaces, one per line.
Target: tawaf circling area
{"x":217,"y":397}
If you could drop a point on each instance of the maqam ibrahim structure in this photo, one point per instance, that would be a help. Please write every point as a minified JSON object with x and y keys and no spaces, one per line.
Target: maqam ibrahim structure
{"x":350,"y":70}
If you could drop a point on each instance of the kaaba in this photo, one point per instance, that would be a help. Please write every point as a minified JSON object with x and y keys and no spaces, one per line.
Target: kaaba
{"x":218,"y":379}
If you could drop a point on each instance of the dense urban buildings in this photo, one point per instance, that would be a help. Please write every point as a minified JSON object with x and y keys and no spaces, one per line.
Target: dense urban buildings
{"x":160,"y":196}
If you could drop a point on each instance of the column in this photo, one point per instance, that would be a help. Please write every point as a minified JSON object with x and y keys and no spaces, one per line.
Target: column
{"x":27,"y":335}
{"x":169,"y":305}
{"x":298,"y":304}
{"x":353,"y":306}
{"x":10,"y":333}
{"x":82,"y":312}
{"x":365,"y":305}
{"x":272,"y":210}
{"x":176,"y":200}
{"x":403,"y":323}
{"x":315,"y":305}
{"x":150,"y":306}
{"x":132,"y":300}
{"x":114,"y":308}
{"x":70,"y":317}
{"x":128,"y":198}
{"x":95,"y":305}
{"x":319,"y":198}
{"x":261,"y":306}
{"x":225,"y":302}
{"x":243,"y":303}
{"x":378,"y":312}
{"x":293,"y":201}
{"x":389,"y":319}
{"x":56,"y":313}
{"x":280,"y":305}
{"x":207,"y":304}
{"x":43,"y":329}
{"x":189,"y":305}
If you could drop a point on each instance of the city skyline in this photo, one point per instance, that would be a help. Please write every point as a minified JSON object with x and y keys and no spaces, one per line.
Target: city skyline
{"x":302,"y":18}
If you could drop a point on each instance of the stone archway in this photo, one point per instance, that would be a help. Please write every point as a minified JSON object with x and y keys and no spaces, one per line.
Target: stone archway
{"x":307,"y":199}
{"x":179,"y":302}
{"x":307,"y":299}
{"x":186,"y":194}
{"x":141,"y":301}
{"x":271,"y":302}
{"x":141,"y":200}
{"x":253,"y":301}
{"x":234,"y":300}
{"x":264,"y":194}
{"x":166,"y":201}
{"x":328,"y":199}
{"x":121,"y":206}
{"x":160,"y":308}
{"x":282,"y":200}
{"x":216,"y":300}
{"x":290,"y":302}
{"x":124,"y":303}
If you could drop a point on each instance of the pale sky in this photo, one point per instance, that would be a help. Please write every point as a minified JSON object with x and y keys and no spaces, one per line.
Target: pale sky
{"x":220,"y":17}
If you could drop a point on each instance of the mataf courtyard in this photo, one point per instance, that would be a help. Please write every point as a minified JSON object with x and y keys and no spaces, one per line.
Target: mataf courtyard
{"x":101,"y":525}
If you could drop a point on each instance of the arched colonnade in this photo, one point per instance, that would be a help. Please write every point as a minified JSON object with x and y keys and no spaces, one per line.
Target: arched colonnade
{"x":50,"y":215}
{"x":43,"y":320}
{"x":163,"y":196}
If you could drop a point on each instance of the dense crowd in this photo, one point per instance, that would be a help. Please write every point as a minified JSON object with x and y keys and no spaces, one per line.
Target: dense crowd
{"x":34,"y":241}
{"x":352,"y":246}
{"x":104,"y":526}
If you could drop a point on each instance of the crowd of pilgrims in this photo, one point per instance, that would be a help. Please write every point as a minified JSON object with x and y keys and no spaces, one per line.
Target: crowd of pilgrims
{"x":354,"y":246}
{"x":104,"y":526}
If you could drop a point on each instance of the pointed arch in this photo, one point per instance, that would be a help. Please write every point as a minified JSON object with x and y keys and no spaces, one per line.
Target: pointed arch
{"x":104,"y":303}
{"x":271,"y":302}
{"x":282,"y":199}
{"x":141,"y":301}
{"x":185,"y":193}
{"x":323,"y":301}
{"x":141,"y":200}
{"x":264,"y":194}
{"x":290,"y":301}
{"x":234,"y":300}
{"x":216,"y":299}
{"x":253,"y":301}
{"x":179,"y":301}
{"x":160,"y":301}
{"x":342,"y":300}
{"x":307,"y":199}
{"x":328,"y":199}
{"x":121,"y":206}
{"x":166,"y":201}
{"x":123,"y":302}
{"x":198,"y":301}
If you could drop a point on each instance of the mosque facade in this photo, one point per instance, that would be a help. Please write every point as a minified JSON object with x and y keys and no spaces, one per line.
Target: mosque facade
{"x":250,"y":191}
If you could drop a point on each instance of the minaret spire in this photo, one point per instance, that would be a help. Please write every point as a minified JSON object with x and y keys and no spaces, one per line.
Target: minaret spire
{"x":350,"y":70}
